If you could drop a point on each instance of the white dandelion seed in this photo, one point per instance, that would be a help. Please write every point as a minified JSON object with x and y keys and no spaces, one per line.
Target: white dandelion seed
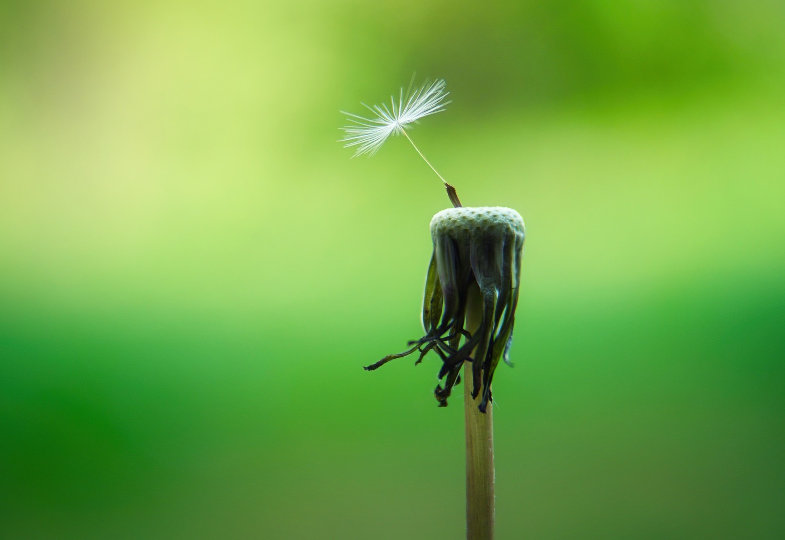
{"x":369,"y":134}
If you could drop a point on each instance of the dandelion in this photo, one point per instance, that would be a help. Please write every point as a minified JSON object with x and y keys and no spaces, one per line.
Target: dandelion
{"x":471,"y":293}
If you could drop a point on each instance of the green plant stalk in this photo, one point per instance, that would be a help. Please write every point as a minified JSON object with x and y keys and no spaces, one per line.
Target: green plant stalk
{"x":480,"y":475}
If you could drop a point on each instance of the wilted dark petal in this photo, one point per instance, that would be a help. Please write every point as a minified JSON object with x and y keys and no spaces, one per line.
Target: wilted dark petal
{"x":505,"y":285}
{"x":452,"y":364}
{"x":433,"y":298}
{"x":453,"y":376}
{"x":517,"y":257}
{"x":484,"y":259}
{"x":389,"y":357}
{"x":506,"y":353}
{"x":447,"y":262}
{"x":508,"y":300}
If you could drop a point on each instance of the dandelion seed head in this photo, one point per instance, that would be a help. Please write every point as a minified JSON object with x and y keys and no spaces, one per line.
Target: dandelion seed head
{"x":368,"y":134}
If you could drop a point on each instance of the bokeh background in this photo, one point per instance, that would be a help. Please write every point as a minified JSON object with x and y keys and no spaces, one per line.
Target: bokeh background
{"x":193,"y":270}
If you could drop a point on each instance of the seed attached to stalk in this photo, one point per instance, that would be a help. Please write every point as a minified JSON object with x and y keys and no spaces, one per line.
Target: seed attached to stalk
{"x":368,"y":134}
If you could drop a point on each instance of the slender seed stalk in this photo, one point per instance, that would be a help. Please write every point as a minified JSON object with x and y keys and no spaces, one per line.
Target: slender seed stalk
{"x":451,"y":193}
{"x":480,"y":475}
{"x":425,"y":159}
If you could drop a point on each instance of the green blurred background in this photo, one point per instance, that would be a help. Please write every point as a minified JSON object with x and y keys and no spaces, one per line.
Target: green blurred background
{"x":192,"y":269}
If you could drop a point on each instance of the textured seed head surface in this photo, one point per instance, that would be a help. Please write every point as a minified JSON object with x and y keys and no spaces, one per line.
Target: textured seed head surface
{"x":469,"y":221}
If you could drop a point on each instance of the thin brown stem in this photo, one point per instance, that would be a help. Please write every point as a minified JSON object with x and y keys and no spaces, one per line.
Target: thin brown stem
{"x":480,"y":475}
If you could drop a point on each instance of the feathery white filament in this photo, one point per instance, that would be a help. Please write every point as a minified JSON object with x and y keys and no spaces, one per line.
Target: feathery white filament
{"x":369,"y":134}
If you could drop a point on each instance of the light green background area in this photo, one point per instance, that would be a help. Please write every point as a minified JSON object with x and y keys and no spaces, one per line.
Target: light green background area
{"x":193,"y":271}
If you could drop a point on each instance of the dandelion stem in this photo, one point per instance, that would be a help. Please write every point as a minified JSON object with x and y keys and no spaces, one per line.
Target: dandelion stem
{"x":425,"y":159}
{"x":451,"y":193}
{"x":480,"y":475}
